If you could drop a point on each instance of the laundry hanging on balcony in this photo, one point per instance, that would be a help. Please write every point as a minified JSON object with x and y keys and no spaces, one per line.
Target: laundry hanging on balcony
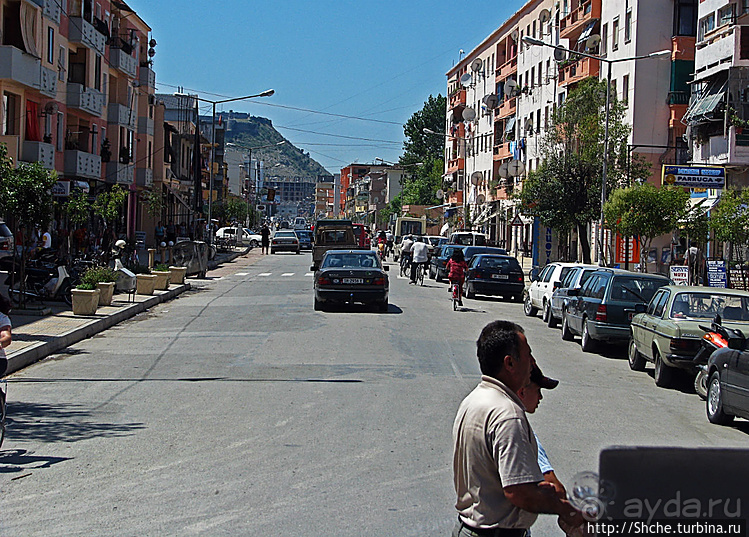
{"x":704,"y":107}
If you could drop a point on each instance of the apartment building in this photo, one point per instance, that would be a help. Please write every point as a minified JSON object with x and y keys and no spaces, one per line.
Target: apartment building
{"x":530,"y":81}
{"x":349,"y":175}
{"x":76,"y":81}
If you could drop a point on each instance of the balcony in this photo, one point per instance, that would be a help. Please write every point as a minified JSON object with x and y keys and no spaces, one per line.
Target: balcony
{"x":82,"y":31}
{"x":48,"y":82}
{"x":725,"y":151}
{"x":457,"y":99}
{"x":455,"y":197}
{"x":508,"y":68}
{"x":507,"y":108}
{"x":39,"y":152}
{"x":571,"y":26}
{"x":118,"y":114}
{"x":144,"y":177}
{"x":52,"y":10}
{"x":123,"y":61}
{"x":455,"y":164}
{"x":502,"y":151}
{"x":18,"y":66}
{"x":145,"y":126}
{"x":80,"y":164}
{"x":119,"y":173}
{"x":147,"y":77}
{"x":86,"y":99}
{"x":723,"y":48}
{"x":572,"y":73}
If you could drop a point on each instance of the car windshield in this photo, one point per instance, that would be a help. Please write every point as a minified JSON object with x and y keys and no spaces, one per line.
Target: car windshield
{"x":635,"y":289}
{"x":499,"y":263}
{"x":285,"y":234}
{"x":363,"y":260}
{"x":708,"y":305}
{"x":448,"y":251}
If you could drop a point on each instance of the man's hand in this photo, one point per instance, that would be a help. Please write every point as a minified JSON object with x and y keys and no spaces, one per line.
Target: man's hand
{"x":571,"y":531}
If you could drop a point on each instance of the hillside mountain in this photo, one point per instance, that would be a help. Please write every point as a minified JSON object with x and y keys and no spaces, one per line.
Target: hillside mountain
{"x":279,"y":160}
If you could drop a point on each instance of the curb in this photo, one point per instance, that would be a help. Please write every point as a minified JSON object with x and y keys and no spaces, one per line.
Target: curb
{"x":41,"y":350}
{"x":213,"y":263}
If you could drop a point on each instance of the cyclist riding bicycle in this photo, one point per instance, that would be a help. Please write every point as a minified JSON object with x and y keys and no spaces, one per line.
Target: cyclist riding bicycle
{"x":419,"y":256}
{"x":406,"y":247}
{"x":456,"y":272}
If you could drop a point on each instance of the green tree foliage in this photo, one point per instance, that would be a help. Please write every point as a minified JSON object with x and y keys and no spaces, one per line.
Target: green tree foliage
{"x":421,"y":187}
{"x":565,"y":191}
{"x":110,"y":204}
{"x":645,"y":211}
{"x":730,"y":220}
{"x":78,"y":208}
{"x":154,"y":202}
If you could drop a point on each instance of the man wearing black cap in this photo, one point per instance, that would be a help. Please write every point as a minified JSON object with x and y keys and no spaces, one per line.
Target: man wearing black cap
{"x":531,"y":396}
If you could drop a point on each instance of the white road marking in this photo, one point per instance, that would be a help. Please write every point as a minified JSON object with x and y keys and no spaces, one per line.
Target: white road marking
{"x":287,"y":274}
{"x":264,"y":274}
{"x":242,"y":274}
{"x":310,"y":274}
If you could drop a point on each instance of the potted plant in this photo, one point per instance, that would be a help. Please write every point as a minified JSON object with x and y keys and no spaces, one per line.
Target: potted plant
{"x":162,"y":273}
{"x":85,"y":298}
{"x":177,"y":274}
{"x":145,"y":282}
{"x":107,"y":278}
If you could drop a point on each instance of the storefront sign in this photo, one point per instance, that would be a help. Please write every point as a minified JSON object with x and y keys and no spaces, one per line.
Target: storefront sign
{"x":61,"y":188}
{"x":716,"y":273}
{"x":694,"y":176}
{"x":679,"y":274}
{"x":627,"y":249}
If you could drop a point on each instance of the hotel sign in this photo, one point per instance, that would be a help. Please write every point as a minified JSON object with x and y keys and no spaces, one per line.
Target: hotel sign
{"x":694,"y":176}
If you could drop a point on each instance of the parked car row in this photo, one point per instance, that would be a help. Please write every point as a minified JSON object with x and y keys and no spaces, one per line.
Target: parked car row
{"x":659,"y":322}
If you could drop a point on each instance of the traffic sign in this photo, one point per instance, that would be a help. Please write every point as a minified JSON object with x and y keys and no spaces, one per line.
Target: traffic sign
{"x":517,"y":221}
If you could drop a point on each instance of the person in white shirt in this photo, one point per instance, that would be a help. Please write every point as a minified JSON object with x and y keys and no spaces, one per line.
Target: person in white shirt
{"x":5,"y":332}
{"x":419,"y":256}
{"x":406,"y":245}
{"x":47,"y":240}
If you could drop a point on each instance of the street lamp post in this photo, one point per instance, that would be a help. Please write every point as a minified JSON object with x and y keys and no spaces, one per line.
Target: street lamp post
{"x":534,"y":41}
{"x":266,"y":93}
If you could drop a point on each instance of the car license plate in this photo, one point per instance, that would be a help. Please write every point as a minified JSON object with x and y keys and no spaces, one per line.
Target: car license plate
{"x":353,"y":280}
{"x":500,"y":276}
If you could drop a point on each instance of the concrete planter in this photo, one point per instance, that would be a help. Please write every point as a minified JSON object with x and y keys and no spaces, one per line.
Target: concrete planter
{"x":107,"y":290}
{"x":145,"y":284}
{"x":85,"y":302}
{"x":177,"y":275}
{"x":162,"y":279}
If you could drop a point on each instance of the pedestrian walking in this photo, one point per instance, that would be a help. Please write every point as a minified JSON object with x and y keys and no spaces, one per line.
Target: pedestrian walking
{"x":265,"y":239}
{"x":159,"y":232}
{"x":171,"y":232}
{"x":5,"y":332}
{"x":499,"y":485}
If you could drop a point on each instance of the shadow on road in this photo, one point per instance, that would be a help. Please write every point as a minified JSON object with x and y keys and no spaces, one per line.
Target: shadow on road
{"x":360,"y":308}
{"x":20,"y":460}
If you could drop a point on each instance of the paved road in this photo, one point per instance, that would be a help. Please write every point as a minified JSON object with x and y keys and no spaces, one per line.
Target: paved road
{"x":237,"y":410}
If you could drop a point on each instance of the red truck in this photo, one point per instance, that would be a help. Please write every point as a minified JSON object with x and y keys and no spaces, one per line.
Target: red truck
{"x":361,"y":236}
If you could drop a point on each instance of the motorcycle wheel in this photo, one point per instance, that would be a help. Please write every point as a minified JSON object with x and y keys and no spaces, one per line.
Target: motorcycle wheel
{"x":66,"y":294}
{"x":700,"y":384}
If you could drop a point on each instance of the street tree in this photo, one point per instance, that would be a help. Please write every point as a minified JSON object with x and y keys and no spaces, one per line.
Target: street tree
{"x":564,"y":192}
{"x":110,"y":205}
{"x":730,"y":220}
{"x":645,"y":211}
{"x":154,"y":202}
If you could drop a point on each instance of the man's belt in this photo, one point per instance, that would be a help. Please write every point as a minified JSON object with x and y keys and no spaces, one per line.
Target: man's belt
{"x":494,"y":532}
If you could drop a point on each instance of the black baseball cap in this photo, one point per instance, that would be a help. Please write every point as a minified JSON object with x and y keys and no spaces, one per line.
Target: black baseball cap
{"x":542,"y":380}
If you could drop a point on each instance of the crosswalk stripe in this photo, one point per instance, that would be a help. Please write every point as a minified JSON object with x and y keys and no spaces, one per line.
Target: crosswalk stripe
{"x":310,"y":274}
{"x":264,"y":274}
{"x":242,"y":273}
{"x":287,"y":274}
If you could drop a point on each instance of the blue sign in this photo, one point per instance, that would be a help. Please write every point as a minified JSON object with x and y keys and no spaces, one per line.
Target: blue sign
{"x":694,"y":176}
{"x":716,"y":273}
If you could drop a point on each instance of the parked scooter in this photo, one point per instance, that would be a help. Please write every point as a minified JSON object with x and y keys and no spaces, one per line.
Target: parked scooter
{"x":716,"y":337}
{"x":42,"y":283}
{"x":125,"y":278}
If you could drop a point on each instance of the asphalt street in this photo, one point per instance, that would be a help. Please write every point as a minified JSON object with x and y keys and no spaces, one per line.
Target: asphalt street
{"x":237,"y":410}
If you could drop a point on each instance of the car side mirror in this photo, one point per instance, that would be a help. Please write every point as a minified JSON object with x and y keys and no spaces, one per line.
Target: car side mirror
{"x":533,"y":277}
{"x":573,"y":292}
{"x":640,"y":308}
{"x":557,"y":285}
{"x":312,"y":268}
{"x":386,"y":268}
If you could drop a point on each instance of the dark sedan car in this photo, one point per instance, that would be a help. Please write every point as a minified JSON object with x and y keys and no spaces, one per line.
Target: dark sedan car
{"x":470,"y":251}
{"x":602,"y":309}
{"x":438,"y":262}
{"x":728,"y":384}
{"x":348,"y":276}
{"x":305,"y":239}
{"x":494,"y":275}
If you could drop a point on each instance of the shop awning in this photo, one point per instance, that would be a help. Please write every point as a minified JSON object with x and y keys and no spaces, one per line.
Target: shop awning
{"x":703,"y":107}
{"x":588,"y":31}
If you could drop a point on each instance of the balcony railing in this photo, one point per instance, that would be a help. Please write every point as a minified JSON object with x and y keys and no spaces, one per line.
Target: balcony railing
{"x":144,"y":177}
{"x":572,"y":25}
{"x":502,"y":151}
{"x":118,"y":114}
{"x":82,"y":31}
{"x":458,"y":99}
{"x":678,"y":97}
{"x":508,"y":68}
{"x":455,"y":164}
{"x":48,"y":82}
{"x":579,"y":70}
{"x":120,"y":173}
{"x":507,"y":108}
{"x":147,"y":77}
{"x":124,"y":62}
{"x":81,"y":164}
{"x":39,"y":152}
{"x":18,"y":66}
{"x":86,"y":99}
{"x":52,"y":10}
{"x":145,"y":126}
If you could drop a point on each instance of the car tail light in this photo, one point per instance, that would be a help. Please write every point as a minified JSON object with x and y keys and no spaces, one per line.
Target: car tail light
{"x":275,"y":242}
{"x":323,"y":280}
{"x":4,"y":245}
{"x":378,"y":281}
{"x":478,"y":274}
{"x":601,"y":313}
{"x":520,"y":278}
{"x":678,"y":344}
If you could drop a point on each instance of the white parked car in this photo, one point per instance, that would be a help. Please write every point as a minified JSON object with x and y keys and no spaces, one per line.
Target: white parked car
{"x":538,"y":295}
{"x":239,"y":236}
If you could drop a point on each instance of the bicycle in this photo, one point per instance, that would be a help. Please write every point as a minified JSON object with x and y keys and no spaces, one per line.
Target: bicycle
{"x":456,"y":295}
{"x":3,"y":392}
{"x":420,"y":274}
{"x":405,"y":263}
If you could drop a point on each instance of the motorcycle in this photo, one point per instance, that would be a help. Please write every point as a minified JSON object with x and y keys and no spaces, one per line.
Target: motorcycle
{"x":716,"y":337}
{"x":125,"y":277}
{"x":43,"y":282}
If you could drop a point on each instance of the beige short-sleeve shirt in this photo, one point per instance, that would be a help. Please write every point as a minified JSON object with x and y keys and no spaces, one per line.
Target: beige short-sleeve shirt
{"x":494,"y":447}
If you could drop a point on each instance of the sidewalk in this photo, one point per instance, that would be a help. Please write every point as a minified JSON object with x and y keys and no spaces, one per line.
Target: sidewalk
{"x":35,"y":338}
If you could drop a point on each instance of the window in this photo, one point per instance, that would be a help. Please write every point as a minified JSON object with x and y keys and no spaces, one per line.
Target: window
{"x":587,"y":289}
{"x":546,"y":118}
{"x":625,"y":89}
{"x":533,"y":76}
{"x":50,"y":45}
{"x":726,"y":15}
{"x":540,"y":72}
{"x":612,"y":94}
{"x":11,"y":114}
{"x":538,"y":120}
{"x":567,"y":281}
{"x":615,"y":34}
{"x":660,"y":304}
{"x":604,"y":39}
{"x":651,"y":307}
{"x":628,"y":26}
{"x":150,"y":150}
{"x":97,"y":73}
{"x":60,"y":130}
{"x":707,"y":25}
{"x":534,"y":29}
{"x":685,"y":17}
{"x":63,"y":52}
{"x":548,"y":274}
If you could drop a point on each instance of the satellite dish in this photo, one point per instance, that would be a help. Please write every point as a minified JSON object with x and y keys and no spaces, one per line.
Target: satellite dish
{"x":376,"y":200}
{"x":559,"y":54}
{"x":480,"y":199}
{"x":511,"y":87}
{"x":592,"y":42}
{"x":477,"y":65}
{"x":476,"y":177}
{"x":515,"y":168}
{"x":491,"y":101}
{"x":465,"y":80}
{"x":50,"y":108}
{"x":515,"y":34}
{"x":469,"y":114}
{"x":261,"y":208}
{"x":544,"y":16}
{"x":440,"y":194}
{"x":503,"y":172}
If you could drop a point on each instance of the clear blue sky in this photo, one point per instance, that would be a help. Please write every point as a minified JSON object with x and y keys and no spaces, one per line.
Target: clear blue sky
{"x":376,"y":60}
